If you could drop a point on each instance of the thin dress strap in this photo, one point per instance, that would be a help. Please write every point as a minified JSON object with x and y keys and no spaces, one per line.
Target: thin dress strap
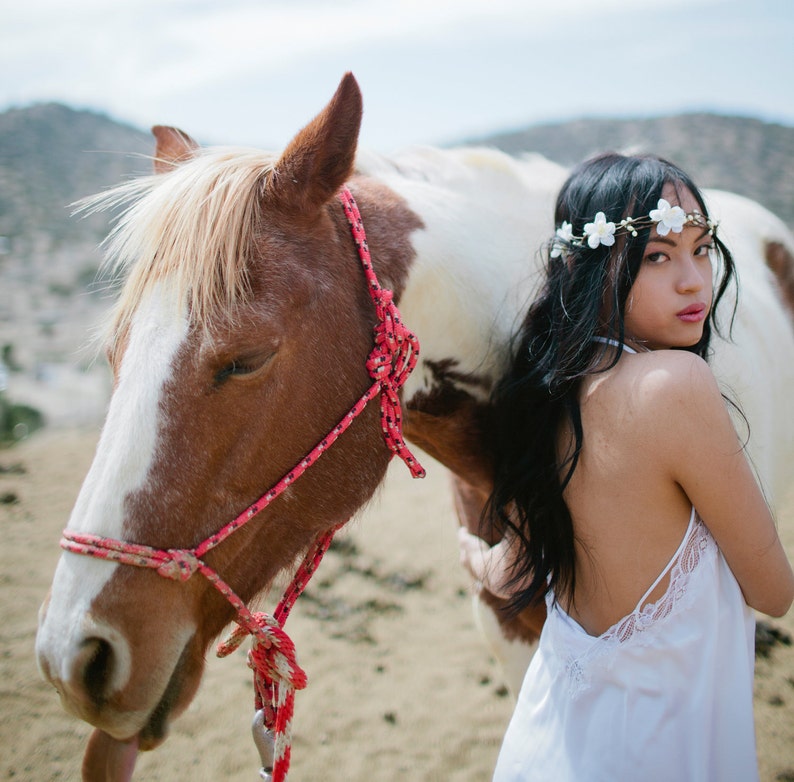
{"x":671,"y":563}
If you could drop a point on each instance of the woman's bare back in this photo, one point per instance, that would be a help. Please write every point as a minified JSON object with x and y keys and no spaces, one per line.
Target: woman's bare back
{"x":629,"y":512}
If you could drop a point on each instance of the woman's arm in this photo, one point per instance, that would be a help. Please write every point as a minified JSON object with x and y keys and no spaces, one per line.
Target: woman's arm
{"x":703,"y":455}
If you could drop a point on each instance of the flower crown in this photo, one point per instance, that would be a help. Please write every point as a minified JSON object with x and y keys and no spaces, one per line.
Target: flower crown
{"x":666,"y":218}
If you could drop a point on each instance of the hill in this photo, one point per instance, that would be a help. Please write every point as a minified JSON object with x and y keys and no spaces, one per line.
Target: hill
{"x":51,"y":156}
{"x":746,"y":156}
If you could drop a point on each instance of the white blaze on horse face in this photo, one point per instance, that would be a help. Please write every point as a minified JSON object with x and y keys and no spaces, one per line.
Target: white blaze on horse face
{"x":121,"y":465}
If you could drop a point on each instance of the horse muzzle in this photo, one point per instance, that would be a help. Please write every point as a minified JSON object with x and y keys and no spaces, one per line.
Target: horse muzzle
{"x":112,"y":683}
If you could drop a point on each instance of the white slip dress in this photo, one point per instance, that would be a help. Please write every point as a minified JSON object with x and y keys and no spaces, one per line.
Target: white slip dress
{"x":664,"y":695}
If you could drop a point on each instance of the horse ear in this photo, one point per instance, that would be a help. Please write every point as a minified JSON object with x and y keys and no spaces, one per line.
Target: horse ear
{"x":319,"y":160}
{"x":174,"y":146}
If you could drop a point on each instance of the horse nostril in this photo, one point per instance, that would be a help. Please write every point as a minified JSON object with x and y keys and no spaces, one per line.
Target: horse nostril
{"x":98,"y":668}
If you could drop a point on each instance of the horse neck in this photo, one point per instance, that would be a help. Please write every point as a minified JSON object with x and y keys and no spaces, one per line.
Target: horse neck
{"x":485,"y":217}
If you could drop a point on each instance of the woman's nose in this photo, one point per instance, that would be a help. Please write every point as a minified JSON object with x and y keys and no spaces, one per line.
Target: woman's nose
{"x":693,"y":276}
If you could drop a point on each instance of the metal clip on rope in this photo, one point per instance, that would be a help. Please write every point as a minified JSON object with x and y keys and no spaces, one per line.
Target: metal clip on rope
{"x":265,"y":744}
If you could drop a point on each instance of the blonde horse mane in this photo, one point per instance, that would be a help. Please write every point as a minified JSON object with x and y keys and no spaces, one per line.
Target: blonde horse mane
{"x":190,"y":229}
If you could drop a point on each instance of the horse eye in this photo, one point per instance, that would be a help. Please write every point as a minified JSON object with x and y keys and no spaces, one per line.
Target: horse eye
{"x":239,"y":367}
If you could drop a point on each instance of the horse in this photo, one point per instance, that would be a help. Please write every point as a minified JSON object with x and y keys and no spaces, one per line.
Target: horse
{"x":242,"y":335}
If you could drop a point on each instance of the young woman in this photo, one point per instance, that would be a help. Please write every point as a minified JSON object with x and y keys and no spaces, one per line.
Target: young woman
{"x":627,"y":499}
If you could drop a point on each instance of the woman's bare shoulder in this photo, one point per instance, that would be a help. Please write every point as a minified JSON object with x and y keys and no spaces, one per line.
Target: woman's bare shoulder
{"x":671,"y":366}
{"x":671,"y":380}
{"x":656,"y":398}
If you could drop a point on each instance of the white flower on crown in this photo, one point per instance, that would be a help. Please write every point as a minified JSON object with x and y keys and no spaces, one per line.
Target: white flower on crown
{"x":665,"y":218}
{"x":668,"y":218}
{"x":600,"y":232}
{"x":565,"y":234}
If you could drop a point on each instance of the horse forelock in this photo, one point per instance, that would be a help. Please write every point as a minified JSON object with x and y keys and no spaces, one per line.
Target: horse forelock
{"x":190,"y":229}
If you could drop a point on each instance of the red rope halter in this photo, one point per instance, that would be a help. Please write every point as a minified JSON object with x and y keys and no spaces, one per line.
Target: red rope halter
{"x":272,"y":656}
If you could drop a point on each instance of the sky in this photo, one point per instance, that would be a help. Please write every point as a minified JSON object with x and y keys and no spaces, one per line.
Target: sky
{"x":253,"y":72}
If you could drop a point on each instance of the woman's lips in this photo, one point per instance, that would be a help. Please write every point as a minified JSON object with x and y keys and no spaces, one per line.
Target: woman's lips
{"x":693,"y":313}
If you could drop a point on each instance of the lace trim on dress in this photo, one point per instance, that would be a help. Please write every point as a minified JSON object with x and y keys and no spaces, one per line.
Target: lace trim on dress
{"x":636,"y":627}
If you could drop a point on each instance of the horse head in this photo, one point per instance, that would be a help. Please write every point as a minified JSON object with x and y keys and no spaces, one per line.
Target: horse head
{"x":240,"y":338}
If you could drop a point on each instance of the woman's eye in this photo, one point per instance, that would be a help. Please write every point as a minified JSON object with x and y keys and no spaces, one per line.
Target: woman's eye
{"x":704,"y":249}
{"x":654,"y":257}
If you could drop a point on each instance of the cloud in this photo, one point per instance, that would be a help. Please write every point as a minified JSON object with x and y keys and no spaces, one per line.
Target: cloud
{"x":256,"y":70}
{"x":85,"y":47}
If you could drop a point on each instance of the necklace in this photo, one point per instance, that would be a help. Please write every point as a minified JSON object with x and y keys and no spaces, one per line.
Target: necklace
{"x":614,"y":343}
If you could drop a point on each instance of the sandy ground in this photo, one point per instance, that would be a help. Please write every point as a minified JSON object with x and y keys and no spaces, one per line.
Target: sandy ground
{"x":400,"y":683}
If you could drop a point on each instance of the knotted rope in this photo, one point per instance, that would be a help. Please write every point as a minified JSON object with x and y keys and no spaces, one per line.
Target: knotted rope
{"x":272,"y":657}
{"x":396,"y":348}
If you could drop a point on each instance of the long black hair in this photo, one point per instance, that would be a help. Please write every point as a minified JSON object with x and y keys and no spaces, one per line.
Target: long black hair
{"x":584,"y":296}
